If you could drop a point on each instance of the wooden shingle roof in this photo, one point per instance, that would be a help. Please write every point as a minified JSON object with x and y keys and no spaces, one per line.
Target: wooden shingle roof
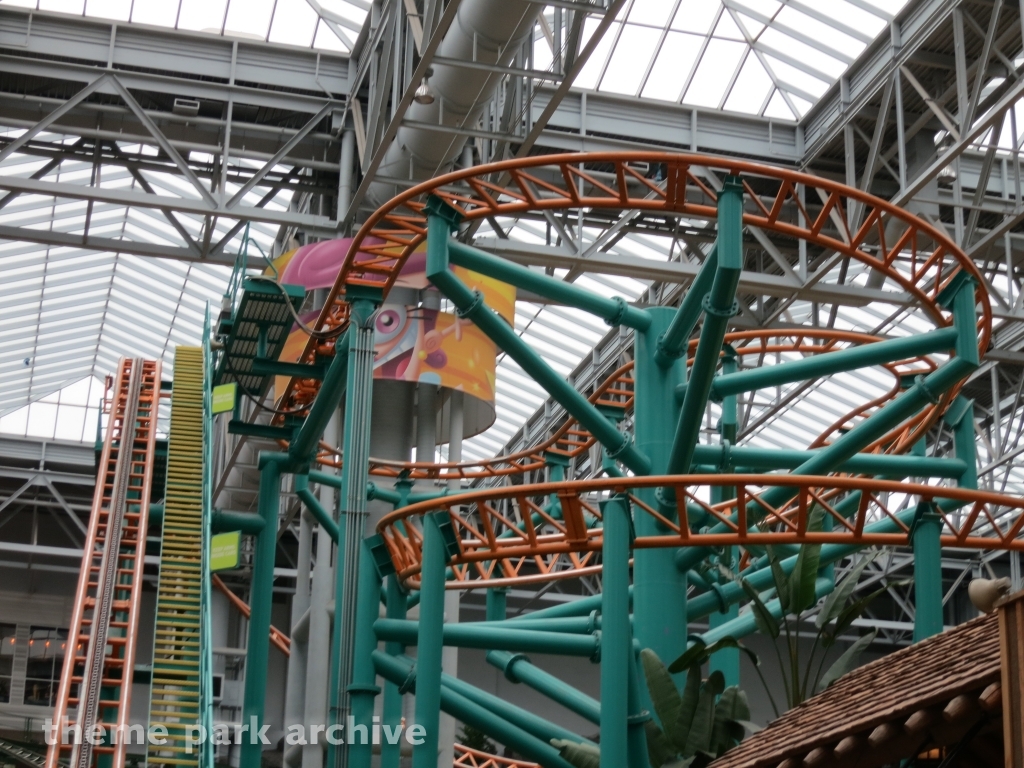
{"x":928,"y":695}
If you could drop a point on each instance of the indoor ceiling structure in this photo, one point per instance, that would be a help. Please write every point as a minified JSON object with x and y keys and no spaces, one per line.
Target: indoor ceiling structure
{"x":141,"y":141}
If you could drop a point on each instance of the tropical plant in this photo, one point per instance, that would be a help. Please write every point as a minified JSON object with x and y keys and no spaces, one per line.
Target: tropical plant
{"x":476,"y":739}
{"x":796,"y":594}
{"x":702,"y":723}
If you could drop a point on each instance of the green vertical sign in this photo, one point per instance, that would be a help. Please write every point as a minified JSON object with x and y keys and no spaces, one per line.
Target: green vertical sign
{"x":223,"y":398}
{"x":224,"y":550}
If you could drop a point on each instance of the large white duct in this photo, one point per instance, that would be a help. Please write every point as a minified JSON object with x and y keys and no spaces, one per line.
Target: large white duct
{"x":498,"y":28}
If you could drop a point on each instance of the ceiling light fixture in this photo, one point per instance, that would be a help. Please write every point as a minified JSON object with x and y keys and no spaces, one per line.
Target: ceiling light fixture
{"x":424,"y":93}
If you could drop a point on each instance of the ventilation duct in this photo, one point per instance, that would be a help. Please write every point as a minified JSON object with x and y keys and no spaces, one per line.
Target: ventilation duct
{"x":490,"y":32}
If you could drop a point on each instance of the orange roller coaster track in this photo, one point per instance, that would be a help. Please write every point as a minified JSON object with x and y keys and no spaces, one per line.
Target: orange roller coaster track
{"x":840,"y":220}
{"x":505,"y":536}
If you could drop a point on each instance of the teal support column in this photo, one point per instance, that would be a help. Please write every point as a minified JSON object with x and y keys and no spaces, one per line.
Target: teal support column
{"x":659,"y":589}
{"x":471,"y":305}
{"x":673,"y":341}
{"x":258,"y":645}
{"x":363,"y":690}
{"x":636,"y":738}
{"x":925,"y":533}
{"x":727,"y":661}
{"x":352,"y":500}
{"x":719,"y":306}
{"x":391,"y":754}
{"x":616,"y":642}
{"x":429,"y":640}
{"x":960,"y":416}
{"x":497,"y":598}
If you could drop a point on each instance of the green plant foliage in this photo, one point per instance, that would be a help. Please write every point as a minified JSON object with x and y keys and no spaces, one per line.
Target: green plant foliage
{"x":580,"y":755}
{"x":845,"y":662}
{"x":701,"y":723}
{"x":782,"y":618}
{"x":474,"y":738}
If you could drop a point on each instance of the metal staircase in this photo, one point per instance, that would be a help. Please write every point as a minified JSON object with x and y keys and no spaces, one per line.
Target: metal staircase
{"x":175,"y":693}
{"x":95,"y":687}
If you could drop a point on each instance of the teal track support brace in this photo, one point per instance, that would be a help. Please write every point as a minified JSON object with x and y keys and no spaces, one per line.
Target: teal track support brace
{"x":258,"y":645}
{"x":659,"y":590}
{"x":402,"y":672}
{"x":614,"y":311}
{"x":719,"y":306}
{"x":673,"y":342}
{"x":429,"y":642}
{"x":391,"y":754}
{"x":925,"y":533}
{"x":312,"y":503}
{"x":497,"y":599}
{"x":363,"y":689}
{"x":616,"y":641}
{"x":303,"y":446}
{"x":518,"y":669}
{"x":471,"y":305}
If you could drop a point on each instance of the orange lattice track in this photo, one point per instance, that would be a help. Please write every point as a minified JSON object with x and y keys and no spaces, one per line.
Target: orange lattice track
{"x":501,"y":544}
{"x":466,"y":757}
{"x":921,"y":260}
{"x":100,"y":657}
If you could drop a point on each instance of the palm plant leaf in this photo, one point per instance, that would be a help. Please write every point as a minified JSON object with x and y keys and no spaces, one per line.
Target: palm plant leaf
{"x":838,"y":598}
{"x":664,"y":695}
{"x":845,"y":662}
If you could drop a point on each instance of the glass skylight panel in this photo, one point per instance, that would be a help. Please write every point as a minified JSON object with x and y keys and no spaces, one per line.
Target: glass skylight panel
{"x":714,"y":73}
{"x":629,"y":61}
{"x":302,"y":23}
{"x":810,"y":46}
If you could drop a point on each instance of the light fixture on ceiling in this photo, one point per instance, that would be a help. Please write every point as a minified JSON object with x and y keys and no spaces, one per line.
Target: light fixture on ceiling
{"x":947,"y":174}
{"x":424,"y":93}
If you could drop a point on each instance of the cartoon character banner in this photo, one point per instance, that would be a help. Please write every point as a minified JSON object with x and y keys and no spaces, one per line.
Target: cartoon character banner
{"x":411,"y":343}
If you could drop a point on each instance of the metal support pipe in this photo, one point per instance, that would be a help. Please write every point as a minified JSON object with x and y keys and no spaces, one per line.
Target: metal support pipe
{"x":673,"y":342}
{"x":614,"y":311}
{"x":817,"y":366}
{"x":319,"y":647}
{"x":659,"y":591}
{"x":355,"y":449}
{"x":616,"y":640}
{"x":925,"y":535}
{"x":403,"y":673}
{"x":305,"y":442}
{"x":429,"y":640}
{"x":295,"y":690}
{"x":860,"y":463}
{"x":497,"y":601}
{"x":479,"y":635}
{"x":581,"y":607}
{"x":533,"y":724}
{"x":363,"y":690}
{"x":391,"y":754}
{"x":925,"y":389}
{"x":440,"y":222}
{"x":227,"y":520}
{"x":258,"y":645}
{"x":636,"y":737}
{"x":719,"y":306}
{"x":313,"y":505}
{"x":518,"y":669}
